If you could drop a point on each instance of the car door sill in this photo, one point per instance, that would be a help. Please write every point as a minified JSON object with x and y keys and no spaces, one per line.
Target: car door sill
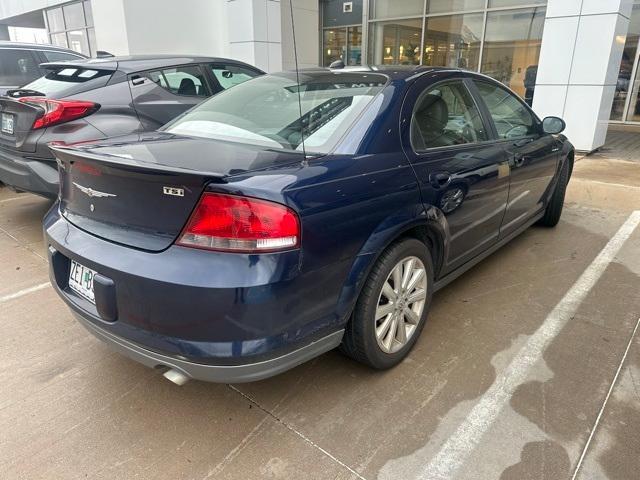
{"x":450,"y":277}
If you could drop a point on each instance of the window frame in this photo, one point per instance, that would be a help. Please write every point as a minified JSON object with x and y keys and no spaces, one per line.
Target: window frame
{"x":482,"y":112}
{"x":498,"y":139}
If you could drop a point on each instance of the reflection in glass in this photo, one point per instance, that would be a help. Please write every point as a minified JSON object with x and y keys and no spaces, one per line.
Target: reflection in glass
{"x":626,"y":65}
{"x":334,"y":45}
{"x":396,"y":8}
{"x":512,"y":48}
{"x":78,"y":41}
{"x":59,"y":39}
{"x":395,"y":42}
{"x":514,"y":3}
{"x":55,"y":19}
{"x":453,"y":41}
{"x":74,"y":15}
{"x":634,"y":106}
{"x":446,"y":6}
{"x":354,"y":46}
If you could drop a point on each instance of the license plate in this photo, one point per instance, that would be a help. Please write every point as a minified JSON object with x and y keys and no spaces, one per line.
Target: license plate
{"x":7,"y":123}
{"x":81,"y":281}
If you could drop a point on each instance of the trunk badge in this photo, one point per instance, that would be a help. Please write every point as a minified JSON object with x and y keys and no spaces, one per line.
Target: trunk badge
{"x":173,"y":191}
{"x":93,"y":193}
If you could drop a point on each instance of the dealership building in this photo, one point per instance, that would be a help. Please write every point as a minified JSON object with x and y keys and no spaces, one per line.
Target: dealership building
{"x":577,"y":59}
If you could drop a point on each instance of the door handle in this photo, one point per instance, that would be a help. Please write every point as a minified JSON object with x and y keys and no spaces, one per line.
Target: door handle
{"x":439,"y":179}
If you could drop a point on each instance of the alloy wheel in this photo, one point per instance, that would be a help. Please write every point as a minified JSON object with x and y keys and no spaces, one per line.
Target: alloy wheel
{"x":401,"y":304}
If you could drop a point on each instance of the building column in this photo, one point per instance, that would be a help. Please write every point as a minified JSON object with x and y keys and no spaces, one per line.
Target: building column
{"x":255,"y":34}
{"x":579,"y":63}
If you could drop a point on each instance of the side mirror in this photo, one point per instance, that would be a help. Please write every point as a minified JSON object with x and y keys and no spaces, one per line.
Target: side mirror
{"x":227,"y":74}
{"x":553,"y":125}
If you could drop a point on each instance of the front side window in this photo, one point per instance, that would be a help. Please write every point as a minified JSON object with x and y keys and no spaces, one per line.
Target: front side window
{"x":446,"y":115}
{"x":231,"y":75}
{"x":512,"y":119}
{"x":267,"y":111}
{"x":187,"y":80}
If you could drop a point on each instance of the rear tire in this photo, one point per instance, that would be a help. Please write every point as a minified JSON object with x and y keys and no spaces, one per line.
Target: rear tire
{"x":553,"y":211}
{"x":392,"y":308}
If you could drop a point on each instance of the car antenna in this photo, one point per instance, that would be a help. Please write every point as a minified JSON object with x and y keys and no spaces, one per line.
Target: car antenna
{"x":295,"y":56}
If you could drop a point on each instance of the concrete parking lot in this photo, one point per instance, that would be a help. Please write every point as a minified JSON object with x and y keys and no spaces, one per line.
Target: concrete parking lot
{"x":529,"y":367}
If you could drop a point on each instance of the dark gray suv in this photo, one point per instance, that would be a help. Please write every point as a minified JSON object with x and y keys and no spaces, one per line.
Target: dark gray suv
{"x":93,"y":99}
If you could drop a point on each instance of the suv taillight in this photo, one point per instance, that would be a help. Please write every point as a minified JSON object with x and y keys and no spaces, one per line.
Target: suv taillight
{"x":59,"y":111}
{"x":241,"y":224}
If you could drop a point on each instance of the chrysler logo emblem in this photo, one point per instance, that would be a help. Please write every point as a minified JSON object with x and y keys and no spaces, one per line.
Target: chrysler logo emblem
{"x":93,"y":193}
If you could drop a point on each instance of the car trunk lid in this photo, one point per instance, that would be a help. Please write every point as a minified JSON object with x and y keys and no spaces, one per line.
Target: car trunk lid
{"x":142,"y":194}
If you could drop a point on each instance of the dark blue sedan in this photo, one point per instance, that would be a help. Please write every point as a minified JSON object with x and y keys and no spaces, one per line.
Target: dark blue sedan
{"x":278,"y":220}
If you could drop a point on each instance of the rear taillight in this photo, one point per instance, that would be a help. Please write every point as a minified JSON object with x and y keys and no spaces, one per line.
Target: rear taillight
{"x":59,"y":111}
{"x":241,"y":224}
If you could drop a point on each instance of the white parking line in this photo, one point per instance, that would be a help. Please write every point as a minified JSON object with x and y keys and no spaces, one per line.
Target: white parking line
{"x":460,"y":445}
{"x":24,"y":292}
{"x":606,"y":400}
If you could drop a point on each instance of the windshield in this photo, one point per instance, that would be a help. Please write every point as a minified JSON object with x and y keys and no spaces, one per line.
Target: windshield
{"x":265,"y":111}
{"x":62,"y":81}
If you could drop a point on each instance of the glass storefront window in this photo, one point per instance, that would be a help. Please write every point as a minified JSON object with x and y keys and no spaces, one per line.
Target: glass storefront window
{"x":634,"y":105}
{"x":453,"y":41}
{"x":55,"y":19}
{"x":73,"y":15}
{"x":396,"y":8}
{"x":59,"y":40}
{"x":626,"y":66}
{"x":512,"y":48}
{"x":395,"y":43}
{"x":78,"y":41}
{"x":514,"y":3}
{"x":334,"y":45}
{"x":354,"y":46}
{"x":71,"y":26}
{"x":446,"y":6}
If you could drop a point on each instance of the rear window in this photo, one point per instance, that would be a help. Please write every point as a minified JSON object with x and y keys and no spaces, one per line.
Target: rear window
{"x":17,"y":67}
{"x":64,"y":81}
{"x":266,"y":111}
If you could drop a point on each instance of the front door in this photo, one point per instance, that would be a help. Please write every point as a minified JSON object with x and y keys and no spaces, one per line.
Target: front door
{"x":461,"y":170}
{"x":533,"y":155}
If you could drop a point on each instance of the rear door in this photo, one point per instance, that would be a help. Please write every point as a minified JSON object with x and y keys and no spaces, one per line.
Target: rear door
{"x":460,"y":169}
{"x":161,"y":95}
{"x":533,"y":155}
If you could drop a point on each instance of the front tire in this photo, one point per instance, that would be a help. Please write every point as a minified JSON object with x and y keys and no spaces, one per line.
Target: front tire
{"x":392,"y":308}
{"x":553,"y":211}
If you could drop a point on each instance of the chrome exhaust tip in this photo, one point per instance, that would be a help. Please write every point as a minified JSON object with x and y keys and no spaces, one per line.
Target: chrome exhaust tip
{"x":176,"y":376}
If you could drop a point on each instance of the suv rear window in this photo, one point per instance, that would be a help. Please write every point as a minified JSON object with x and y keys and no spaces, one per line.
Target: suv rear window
{"x":64,"y":81}
{"x":17,"y":67}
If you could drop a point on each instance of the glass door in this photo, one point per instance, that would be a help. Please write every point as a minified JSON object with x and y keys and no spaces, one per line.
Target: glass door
{"x":633,"y":112}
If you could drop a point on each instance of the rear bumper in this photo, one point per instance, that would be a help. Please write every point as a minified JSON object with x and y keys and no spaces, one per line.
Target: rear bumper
{"x":31,"y":175}
{"x":249,"y":372}
{"x":213,"y":316}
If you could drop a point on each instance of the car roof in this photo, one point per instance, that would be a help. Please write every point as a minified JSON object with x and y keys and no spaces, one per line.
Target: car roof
{"x":36,"y":46}
{"x":137,"y":63}
{"x":394,"y":72}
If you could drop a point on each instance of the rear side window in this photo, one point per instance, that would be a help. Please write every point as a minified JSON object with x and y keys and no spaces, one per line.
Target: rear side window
{"x":446,"y":115}
{"x":53,"y":56}
{"x":511,"y":117}
{"x":231,"y":75}
{"x":187,"y":80}
{"x":17,"y":67}
{"x":65,"y":81}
